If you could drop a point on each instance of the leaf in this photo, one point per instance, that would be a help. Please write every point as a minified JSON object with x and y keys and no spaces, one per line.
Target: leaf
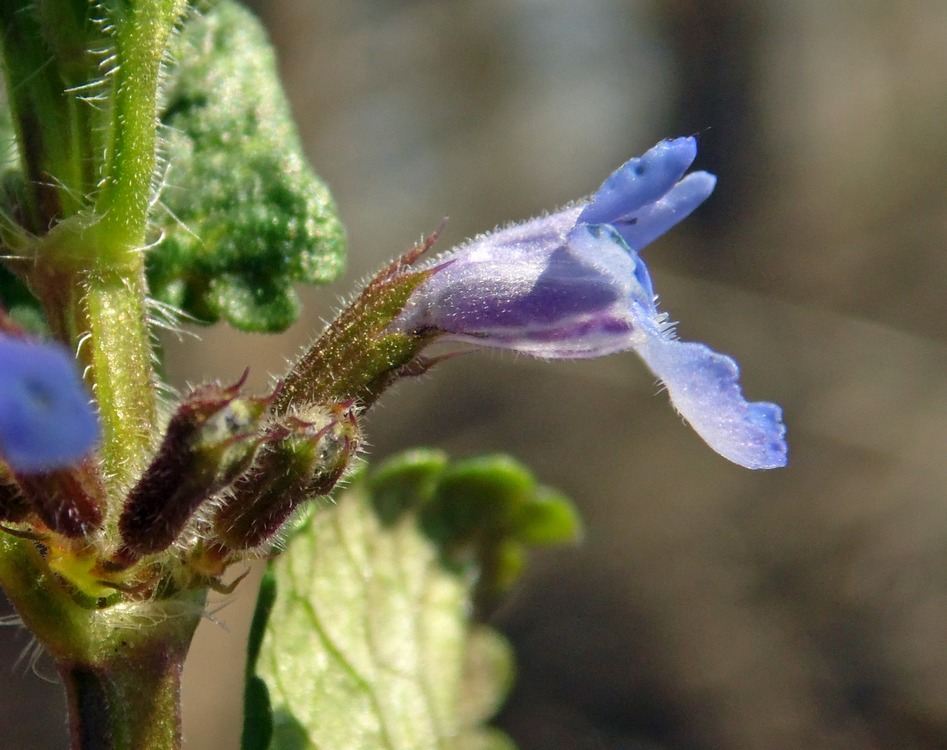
{"x":369,"y":642}
{"x":490,"y":509}
{"x":22,"y":306}
{"x":245,"y":216}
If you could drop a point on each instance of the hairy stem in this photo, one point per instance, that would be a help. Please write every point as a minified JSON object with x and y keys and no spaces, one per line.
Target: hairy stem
{"x":130,"y":701}
{"x":120,"y":662}
{"x":112,"y":304}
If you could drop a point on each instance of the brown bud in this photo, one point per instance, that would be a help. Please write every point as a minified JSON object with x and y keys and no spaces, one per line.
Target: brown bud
{"x":68,"y":501}
{"x":211,"y":439}
{"x":305,"y":456}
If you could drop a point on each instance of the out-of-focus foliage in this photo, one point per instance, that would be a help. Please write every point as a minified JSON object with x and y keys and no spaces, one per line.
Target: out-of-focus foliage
{"x":483,"y":511}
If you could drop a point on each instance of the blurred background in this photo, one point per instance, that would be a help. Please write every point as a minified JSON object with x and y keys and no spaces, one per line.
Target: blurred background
{"x":709,"y":607}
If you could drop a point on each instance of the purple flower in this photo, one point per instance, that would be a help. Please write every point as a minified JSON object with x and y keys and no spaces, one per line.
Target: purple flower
{"x":571,"y":285}
{"x":46,"y":419}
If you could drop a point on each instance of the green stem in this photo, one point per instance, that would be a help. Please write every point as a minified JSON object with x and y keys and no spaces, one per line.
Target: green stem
{"x":120,"y":358}
{"x":142,"y":30}
{"x":121,"y":663}
{"x":129,"y":702}
{"x":113,"y":311}
{"x":35,"y":95}
{"x":89,"y":174}
{"x":42,"y":603}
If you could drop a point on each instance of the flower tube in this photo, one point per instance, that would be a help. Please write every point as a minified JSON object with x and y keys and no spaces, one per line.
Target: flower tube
{"x":571,"y":285}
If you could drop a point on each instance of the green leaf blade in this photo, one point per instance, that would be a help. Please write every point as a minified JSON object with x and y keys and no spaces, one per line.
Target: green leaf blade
{"x":245,"y":217}
{"x":351,"y":613}
{"x":371,"y":642}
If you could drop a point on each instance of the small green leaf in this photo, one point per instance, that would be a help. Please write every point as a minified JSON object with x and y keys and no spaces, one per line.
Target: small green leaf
{"x":476,"y":497}
{"x":245,"y":216}
{"x":548,"y":517}
{"x":488,"y":510}
{"x":404,"y":481}
{"x":369,"y":641}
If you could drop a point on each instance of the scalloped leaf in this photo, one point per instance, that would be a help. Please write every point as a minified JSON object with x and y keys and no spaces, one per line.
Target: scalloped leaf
{"x":245,"y":216}
{"x":369,"y":641}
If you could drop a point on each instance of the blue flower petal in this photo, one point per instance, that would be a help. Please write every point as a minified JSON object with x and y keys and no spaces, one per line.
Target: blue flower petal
{"x":704,"y":387}
{"x":651,"y":221}
{"x":46,"y":419}
{"x":640,"y":181}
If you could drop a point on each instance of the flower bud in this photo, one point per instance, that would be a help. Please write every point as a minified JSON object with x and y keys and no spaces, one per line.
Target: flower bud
{"x":71,"y":501}
{"x":211,"y":439}
{"x":303,"y":457}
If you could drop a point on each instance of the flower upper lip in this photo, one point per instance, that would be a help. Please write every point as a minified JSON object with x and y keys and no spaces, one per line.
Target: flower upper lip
{"x":640,"y":181}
